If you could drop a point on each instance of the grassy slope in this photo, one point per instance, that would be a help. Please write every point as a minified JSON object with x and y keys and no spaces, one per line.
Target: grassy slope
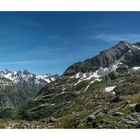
{"x":69,"y":106}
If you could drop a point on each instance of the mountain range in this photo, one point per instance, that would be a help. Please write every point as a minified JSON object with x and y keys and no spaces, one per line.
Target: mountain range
{"x":16,"y":87}
{"x":100,"y":92}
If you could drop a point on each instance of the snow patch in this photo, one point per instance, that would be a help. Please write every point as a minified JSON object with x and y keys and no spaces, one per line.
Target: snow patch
{"x":20,"y":76}
{"x":86,"y":87}
{"x":98,"y":73}
{"x":132,"y":105}
{"x":92,"y":83}
{"x":137,"y":47}
{"x":77,"y":75}
{"x":136,"y":68}
{"x":113,"y":93}
{"x":64,"y":89}
{"x":89,"y":78}
{"x":120,"y":63}
{"x":93,"y":75}
{"x":84,"y":75}
{"x":78,"y":82}
{"x":95,"y":81}
{"x":109,"y":89}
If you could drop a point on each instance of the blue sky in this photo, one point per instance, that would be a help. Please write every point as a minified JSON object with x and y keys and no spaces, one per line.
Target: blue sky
{"x":48,"y":42}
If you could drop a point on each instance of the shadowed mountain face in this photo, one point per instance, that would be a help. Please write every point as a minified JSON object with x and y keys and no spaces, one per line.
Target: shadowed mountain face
{"x":100,"y":92}
{"x":126,"y":53}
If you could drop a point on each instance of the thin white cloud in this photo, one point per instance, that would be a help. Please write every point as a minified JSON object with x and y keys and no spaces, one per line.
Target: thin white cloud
{"x":31,"y":62}
{"x":40,"y":50}
{"x":37,"y":51}
{"x":17,"y":62}
{"x":117,"y":37}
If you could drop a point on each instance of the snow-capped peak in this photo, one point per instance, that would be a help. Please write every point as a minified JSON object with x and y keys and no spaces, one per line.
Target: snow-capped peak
{"x":137,"y":47}
{"x":25,"y":76}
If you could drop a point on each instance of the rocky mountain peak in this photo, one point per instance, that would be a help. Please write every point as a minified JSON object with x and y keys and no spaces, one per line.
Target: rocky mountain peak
{"x":127,"y":53}
{"x":123,"y":42}
{"x":27,"y":79}
{"x":26,"y":72}
{"x":136,"y":44}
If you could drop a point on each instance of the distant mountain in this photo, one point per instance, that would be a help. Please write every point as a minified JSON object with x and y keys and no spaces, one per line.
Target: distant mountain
{"x":17,"y":87}
{"x":27,"y":79}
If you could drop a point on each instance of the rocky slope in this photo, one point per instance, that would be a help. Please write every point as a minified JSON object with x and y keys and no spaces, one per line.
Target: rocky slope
{"x":122,"y":53}
{"x":101,"y":92}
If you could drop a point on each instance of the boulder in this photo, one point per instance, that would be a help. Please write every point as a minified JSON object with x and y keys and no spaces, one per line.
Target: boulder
{"x":117,"y":114}
{"x":133,"y":119}
{"x":116,"y":99}
{"x":137,"y":108}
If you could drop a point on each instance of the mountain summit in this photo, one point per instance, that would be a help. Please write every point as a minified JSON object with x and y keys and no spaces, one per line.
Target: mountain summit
{"x":123,"y":52}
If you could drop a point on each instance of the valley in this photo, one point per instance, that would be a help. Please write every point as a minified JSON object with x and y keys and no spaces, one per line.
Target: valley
{"x":100,"y":92}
